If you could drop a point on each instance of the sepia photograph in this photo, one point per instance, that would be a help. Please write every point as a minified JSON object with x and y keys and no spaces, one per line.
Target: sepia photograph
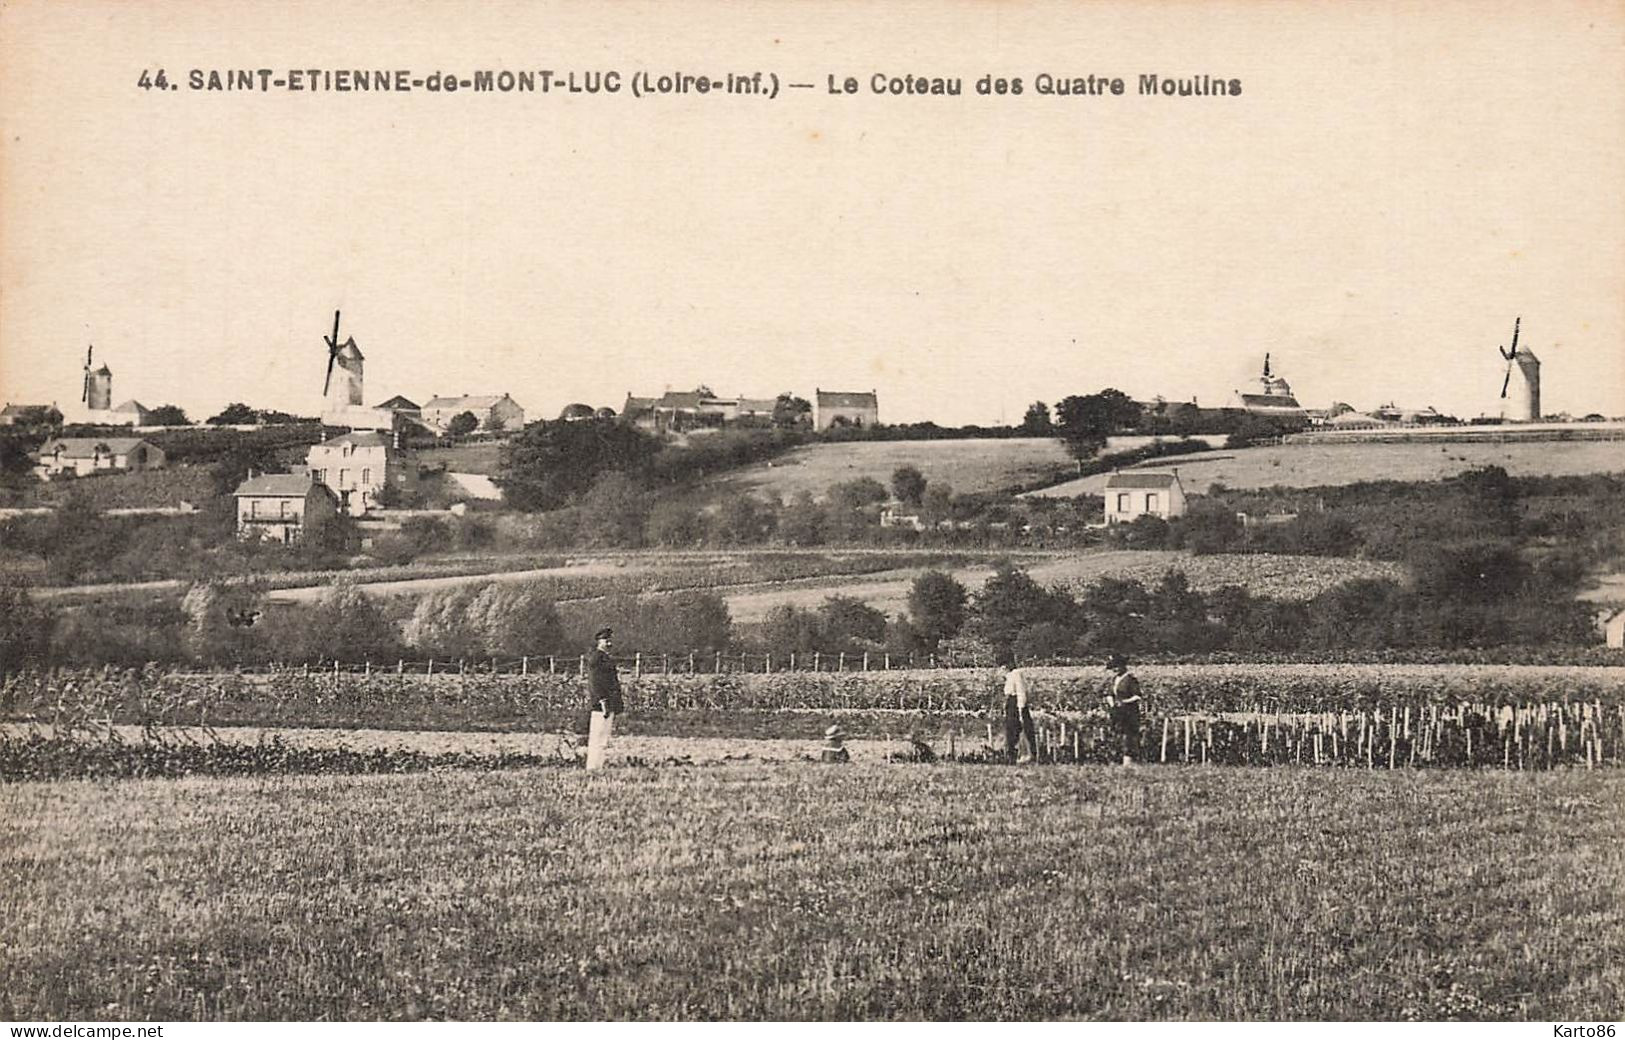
{"x":811,"y":511}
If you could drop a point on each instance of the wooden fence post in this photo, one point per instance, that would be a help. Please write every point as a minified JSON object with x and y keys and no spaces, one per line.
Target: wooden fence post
{"x":815,"y":660}
{"x":866,"y":660}
{"x":637,"y":664}
{"x":400,"y":666}
{"x":524,"y":665}
{"x":431,"y":666}
{"x":552,"y":665}
{"x":840,"y":665}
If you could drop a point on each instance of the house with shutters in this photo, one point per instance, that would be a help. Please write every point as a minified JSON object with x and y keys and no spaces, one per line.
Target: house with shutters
{"x":359,"y":468}
{"x":1131,"y":494}
{"x":87,"y":456}
{"x":840,"y":408}
{"x":279,"y":507}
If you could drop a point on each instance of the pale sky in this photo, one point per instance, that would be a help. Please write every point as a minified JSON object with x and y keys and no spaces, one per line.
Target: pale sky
{"x":1396,"y":183}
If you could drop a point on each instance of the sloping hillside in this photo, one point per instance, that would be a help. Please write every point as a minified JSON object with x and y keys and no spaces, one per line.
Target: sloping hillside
{"x":967,"y":465}
{"x":1319,"y":465}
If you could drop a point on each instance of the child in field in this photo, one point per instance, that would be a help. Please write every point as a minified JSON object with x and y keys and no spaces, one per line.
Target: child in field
{"x":833,"y":750}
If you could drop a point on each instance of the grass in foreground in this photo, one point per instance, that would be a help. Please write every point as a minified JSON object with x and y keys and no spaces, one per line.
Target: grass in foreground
{"x":798,"y":891}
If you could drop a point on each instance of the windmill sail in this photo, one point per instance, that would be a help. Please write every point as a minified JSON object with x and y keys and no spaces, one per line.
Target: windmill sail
{"x":1510,"y":355}
{"x":84,"y":396}
{"x":332,"y":353}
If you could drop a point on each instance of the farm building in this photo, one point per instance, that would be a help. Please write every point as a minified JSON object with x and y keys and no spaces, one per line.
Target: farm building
{"x":130,"y":413}
{"x":494,"y":411}
{"x":84,"y":456}
{"x":29,"y":415}
{"x":838,"y":408}
{"x":682,"y":411}
{"x":357,"y":468}
{"x":1136,"y":493}
{"x":276,"y":506}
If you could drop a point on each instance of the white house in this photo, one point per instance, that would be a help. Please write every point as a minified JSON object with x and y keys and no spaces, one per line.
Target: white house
{"x":1131,"y":494}
{"x":357,"y":467}
{"x":84,"y":456}
{"x":841,"y":408}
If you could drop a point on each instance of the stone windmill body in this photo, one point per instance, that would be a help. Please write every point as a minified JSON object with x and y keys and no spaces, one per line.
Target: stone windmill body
{"x":1520,"y":389}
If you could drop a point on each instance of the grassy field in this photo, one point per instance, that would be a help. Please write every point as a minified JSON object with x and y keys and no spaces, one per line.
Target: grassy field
{"x":482,"y":457}
{"x":967,"y":465}
{"x":793,"y":891}
{"x":1315,"y":465}
{"x":1287,"y":577}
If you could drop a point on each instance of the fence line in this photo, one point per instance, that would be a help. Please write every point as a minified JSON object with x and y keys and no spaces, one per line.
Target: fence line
{"x":697,"y":662}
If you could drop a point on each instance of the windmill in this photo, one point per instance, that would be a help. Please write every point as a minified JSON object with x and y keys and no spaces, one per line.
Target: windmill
{"x":332,"y":353}
{"x":1511,"y":356}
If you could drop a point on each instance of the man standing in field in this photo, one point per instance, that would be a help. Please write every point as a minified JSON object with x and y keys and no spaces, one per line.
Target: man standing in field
{"x":604,"y":690}
{"x":1018,"y":716}
{"x":1123,"y":699}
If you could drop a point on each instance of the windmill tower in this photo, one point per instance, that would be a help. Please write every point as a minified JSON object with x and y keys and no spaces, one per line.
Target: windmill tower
{"x":1520,"y":390}
{"x":342,"y":388}
{"x":98,"y":392}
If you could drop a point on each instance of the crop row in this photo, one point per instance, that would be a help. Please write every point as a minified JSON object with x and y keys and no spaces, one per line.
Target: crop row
{"x":190,"y":697}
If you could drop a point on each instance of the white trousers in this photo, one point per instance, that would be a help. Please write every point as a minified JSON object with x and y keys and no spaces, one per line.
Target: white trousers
{"x":598,"y":733}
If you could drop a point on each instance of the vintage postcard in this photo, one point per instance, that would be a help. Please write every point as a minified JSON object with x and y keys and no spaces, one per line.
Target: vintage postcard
{"x":944,"y":510}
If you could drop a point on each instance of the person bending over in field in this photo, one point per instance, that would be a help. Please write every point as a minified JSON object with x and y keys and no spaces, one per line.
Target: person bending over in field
{"x":1124,"y":701}
{"x":1018,"y":715}
{"x":604,"y":691}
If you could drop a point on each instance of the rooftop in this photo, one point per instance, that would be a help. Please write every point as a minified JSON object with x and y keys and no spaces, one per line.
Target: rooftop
{"x":1142,"y":479}
{"x":281,"y":485}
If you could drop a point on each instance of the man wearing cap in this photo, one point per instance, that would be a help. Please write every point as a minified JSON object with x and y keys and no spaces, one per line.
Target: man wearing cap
{"x":604,"y":691}
{"x":1124,"y":701}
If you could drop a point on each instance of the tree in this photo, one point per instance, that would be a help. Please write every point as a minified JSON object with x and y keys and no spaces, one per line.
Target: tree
{"x":1011,"y":602}
{"x":234,"y":414}
{"x":1037,"y":421}
{"x":1085,"y":422}
{"x":847,"y":622}
{"x":346,"y":625}
{"x":462,"y":424}
{"x":168,"y":415}
{"x":25,"y":628}
{"x":790,"y":410}
{"x":855,"y":494}
{"x":936,"y":605}
{"x":938,"y":502}
{"x":549,"y":463}
{"x":802,"y":521}
{"x":613,"y":513}
{"x":908,"y":484}
{"x":741,"y":520}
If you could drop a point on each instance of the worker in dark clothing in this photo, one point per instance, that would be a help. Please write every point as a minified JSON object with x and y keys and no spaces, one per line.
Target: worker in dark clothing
{"x":604,"y":691}
{"x":1124,"y":702}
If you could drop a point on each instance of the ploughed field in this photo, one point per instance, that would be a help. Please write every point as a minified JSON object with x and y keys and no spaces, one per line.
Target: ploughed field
{"x":798,"y":891}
